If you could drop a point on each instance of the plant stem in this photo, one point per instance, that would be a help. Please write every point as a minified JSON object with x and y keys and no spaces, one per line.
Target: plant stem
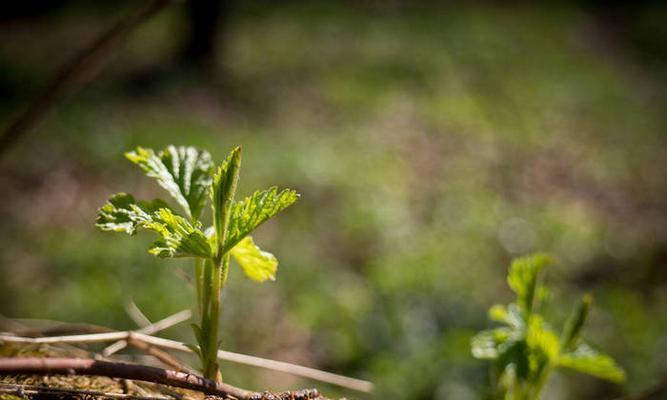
{"x":220,"y":270}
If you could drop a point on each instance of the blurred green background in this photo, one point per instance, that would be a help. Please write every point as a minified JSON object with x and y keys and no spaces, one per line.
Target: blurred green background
{"x":431,"y":143}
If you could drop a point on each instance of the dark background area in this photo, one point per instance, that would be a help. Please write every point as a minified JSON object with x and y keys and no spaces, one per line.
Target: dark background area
{"x":432,"y":143}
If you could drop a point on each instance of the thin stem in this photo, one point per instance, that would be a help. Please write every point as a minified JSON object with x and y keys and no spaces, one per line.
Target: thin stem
{"x":207,"y":282}
{"x":219,"y":278}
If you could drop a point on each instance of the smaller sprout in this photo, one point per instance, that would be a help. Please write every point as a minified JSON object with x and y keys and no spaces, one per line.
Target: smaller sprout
{"x":526,"y":350}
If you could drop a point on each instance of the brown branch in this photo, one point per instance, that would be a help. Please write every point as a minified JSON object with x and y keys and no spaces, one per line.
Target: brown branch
{"x":73,"y":73}
{"x":306,"y":372}
{"x":163,"y":356}
{"x":123,"y":371}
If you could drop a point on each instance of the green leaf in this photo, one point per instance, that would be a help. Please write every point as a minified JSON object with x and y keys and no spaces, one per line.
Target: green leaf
{"x":122,"y":213}
{"x":222,"y":196}
{"x":574,"y":324}
{"x":523,"y":277}
{"x":587,"y":360}
{"x":179,"y":237}
{"x":257,"y":265}
{"x":253,"y":211}
{"x":184,"y":172}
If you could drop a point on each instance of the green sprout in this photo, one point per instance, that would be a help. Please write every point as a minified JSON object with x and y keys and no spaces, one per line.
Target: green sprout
{"x":190,"y":177}
{"x":526,"y":350}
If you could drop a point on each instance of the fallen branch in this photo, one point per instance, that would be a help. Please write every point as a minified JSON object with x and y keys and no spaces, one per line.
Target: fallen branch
{"x":306,"y":372}
{"x":123,"y":371}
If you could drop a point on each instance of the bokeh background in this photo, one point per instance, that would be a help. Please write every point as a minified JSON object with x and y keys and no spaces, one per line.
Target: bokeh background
{"x":431,"y":142}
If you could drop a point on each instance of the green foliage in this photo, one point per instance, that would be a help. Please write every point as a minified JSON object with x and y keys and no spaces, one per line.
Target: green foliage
{"x":257,"y":264}
{"x":525,"y":351}
{"x":178,"y":237}
{"x":222,"y":196}
{"x":187,"y":174}
{"x":250,"y":213}
{"x":184,"y":172}
{"x":122,"y":213}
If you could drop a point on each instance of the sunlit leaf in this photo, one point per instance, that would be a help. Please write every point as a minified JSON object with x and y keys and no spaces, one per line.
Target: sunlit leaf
{"x":222,"y":196}
{"x":522,"y":278}
{"x":184,"y":172}
{"x":257,"y":264}
{"x":122,"y":213}
{"x":179,"y":237}
{"x":587,"y":360}
{"x":253,"y":211}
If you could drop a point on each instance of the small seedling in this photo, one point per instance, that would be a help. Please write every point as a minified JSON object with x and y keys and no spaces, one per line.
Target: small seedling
{"x":527,"y":350}
{"x":189,"y":176}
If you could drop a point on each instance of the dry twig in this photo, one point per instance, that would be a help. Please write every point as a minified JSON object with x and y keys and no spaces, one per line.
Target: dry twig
{"x":306,"y":372}
{"x":150,"y":329}
{"x":33,"y":365}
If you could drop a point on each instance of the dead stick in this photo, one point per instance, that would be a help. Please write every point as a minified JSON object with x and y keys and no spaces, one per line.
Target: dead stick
{"x":294,"y":369}
{"x":306,"y":372}
{"x":73,"y":72}
{"x":143,"y":322}
{"x":163,"y":356}
{"x":162,"y":324}
{"x":80,"y":366}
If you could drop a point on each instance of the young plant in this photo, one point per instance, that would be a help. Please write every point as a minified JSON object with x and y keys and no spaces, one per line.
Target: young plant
{"x":526,"y":350}
{"x":189,"y":176}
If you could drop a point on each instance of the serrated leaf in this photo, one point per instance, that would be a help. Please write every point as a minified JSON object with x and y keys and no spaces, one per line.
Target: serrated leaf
{"x":587,"y":360}
{"x":223,"y":190}
{"x":122,"y":213}
{"x":257,"y":264}
{"x":253,"y":211}
{"x":179,"y":237}
{"x":522,"y":279}
{"x":184,"y":172}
